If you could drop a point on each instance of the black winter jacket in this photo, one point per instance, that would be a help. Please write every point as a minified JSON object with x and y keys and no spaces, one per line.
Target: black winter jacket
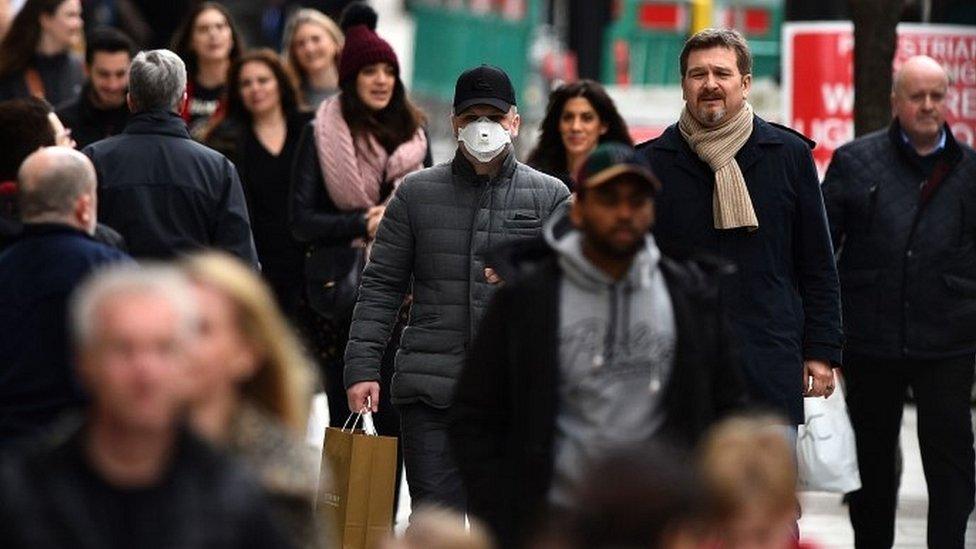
{"x":38,"y":273}
{"x":167,"y":194}
{"x":51,"y":498}
{"x":505,"y":407}
{"x":436,"y":232}
{"x":907,"y":270}
{"x":784,"y":302}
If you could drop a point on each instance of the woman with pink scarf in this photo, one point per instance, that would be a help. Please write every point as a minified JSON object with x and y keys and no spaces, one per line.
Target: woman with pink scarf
{"x":350,"y":160}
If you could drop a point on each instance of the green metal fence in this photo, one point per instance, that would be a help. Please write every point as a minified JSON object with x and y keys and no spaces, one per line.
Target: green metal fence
{"x":450,"y":40}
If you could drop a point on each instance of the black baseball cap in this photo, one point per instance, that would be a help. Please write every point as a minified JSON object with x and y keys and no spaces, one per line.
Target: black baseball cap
{"x":484,"y":85}
{"x":609,"y":161}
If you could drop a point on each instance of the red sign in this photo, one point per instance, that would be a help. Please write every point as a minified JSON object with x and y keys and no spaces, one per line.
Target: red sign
{"x":818,"y":81}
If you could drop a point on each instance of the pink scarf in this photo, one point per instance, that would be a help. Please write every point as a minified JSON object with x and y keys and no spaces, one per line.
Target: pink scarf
{"x":354,"y":171}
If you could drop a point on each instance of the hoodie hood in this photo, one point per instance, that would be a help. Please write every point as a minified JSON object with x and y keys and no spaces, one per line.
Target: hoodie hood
{"x":567,"y":241}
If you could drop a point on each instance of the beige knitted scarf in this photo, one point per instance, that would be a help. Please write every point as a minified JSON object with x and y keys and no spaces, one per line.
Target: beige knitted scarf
{"x":731,"y":203}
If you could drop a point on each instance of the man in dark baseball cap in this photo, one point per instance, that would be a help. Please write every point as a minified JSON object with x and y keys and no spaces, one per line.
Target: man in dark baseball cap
{"x":485,"y":118}
{"x":614,"y":206}
{"x":438,"y":231}
{"x":484,"y":85}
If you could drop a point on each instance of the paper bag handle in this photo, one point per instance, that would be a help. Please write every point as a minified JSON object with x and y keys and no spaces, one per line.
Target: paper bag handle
{"x":365,"y":415}
{"x":357,"y":415}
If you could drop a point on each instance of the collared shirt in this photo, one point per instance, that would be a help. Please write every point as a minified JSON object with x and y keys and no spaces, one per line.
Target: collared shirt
{"x":938,"y":148}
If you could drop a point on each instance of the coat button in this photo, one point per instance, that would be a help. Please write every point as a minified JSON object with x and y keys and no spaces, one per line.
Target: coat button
{"x":908,"y":253}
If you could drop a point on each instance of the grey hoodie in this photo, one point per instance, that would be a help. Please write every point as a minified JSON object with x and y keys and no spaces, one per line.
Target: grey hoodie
{"x":616,"y":351}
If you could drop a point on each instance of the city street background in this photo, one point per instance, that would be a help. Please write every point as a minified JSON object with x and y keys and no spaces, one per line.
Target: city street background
{"x":825,"y":521}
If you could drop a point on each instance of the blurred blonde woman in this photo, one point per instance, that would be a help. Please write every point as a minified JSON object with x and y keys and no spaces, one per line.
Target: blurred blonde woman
{"x":312,"y":44}
{"x":749,"y":472}
{"x":253,"y":387}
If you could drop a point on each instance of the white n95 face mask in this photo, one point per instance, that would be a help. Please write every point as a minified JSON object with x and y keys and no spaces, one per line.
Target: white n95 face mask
{"x":484,"y":139}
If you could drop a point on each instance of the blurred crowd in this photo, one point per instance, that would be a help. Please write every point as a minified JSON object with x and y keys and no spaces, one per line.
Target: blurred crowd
{"x":212,"y":211}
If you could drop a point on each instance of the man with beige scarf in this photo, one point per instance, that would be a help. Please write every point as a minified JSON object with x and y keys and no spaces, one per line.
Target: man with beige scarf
{"x":742,"y":188}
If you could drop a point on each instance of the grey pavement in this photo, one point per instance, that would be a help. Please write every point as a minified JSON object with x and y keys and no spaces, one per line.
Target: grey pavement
{"x":825,"y":522}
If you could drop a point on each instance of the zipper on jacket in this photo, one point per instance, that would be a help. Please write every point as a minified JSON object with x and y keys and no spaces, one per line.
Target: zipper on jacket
{"x":472,"y":230}
{"x":491,"y":206}
{"x":625,"y":317}
{"x":906,"y":255}
{"x":609,"y":339}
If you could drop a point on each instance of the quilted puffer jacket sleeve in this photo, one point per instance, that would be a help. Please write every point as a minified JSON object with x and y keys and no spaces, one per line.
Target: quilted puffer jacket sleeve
{"x":560,"y":201}
{"x":384,"y":284}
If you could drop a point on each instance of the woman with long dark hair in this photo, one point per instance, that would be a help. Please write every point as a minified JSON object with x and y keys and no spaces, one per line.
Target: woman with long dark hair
{"x":351,"y":158}
{"x":208,"y":41}
{"x":259,"y":132}
{"x":35,"y":55}
{"x":579,"y":117}
{"x":312,"y":44}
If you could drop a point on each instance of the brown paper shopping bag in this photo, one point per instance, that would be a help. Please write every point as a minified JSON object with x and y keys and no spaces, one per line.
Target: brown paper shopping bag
{"x":357,"y":503}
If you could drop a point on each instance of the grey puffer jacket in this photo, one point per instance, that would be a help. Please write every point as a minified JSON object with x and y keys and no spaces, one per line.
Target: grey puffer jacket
{"x":437,"y":230}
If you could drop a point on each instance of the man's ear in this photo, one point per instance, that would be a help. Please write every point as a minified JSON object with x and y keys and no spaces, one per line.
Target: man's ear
{"x":516,"y":123}
{"x":84,"y":210}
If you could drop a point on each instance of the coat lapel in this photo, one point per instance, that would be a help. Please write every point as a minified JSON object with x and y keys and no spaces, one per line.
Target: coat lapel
{"x":749,"y":154}
{"x":754,"y":148}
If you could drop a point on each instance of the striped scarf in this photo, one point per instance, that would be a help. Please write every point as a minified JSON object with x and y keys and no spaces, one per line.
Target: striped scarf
{"x":731,"y":203}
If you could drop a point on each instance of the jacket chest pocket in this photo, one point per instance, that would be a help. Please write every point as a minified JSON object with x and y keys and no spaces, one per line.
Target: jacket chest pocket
{"x":522,"y":225}
{"x":520,"y":220}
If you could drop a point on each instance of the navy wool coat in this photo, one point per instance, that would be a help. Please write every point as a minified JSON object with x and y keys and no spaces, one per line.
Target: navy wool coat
{"x":784,"y":301}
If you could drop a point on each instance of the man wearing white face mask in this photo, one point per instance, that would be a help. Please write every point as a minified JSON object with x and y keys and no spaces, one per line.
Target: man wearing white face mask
{"x":438,"y":228}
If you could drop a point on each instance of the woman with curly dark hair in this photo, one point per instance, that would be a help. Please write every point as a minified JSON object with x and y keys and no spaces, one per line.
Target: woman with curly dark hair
{"x":35,"y":55}
{"x":208,"y":41}
{"x":579,"y":117}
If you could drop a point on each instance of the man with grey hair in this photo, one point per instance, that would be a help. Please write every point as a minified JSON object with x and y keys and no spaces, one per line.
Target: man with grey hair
{"x":901,"y":203}
{"x":37,"y":274}
{"x":131,"y":475}
{"x":165,"y":193}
